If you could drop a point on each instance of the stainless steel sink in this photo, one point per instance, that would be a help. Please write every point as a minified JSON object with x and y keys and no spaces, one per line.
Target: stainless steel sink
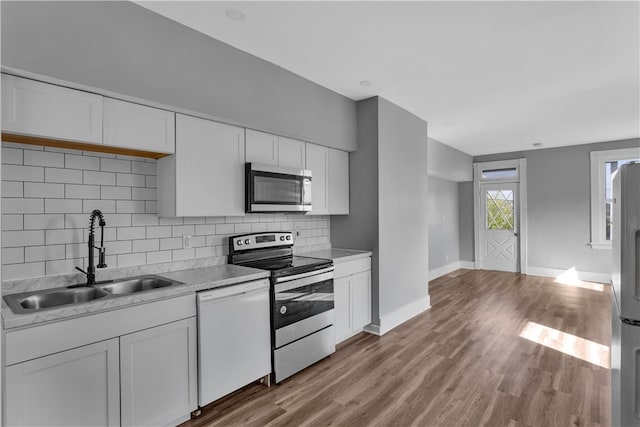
{"x":28,"y":302}
{"x":40,"y":300}
{"x":136,"y":284}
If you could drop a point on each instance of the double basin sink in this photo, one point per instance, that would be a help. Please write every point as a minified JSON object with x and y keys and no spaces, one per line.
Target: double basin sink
{"x":28,"y":302}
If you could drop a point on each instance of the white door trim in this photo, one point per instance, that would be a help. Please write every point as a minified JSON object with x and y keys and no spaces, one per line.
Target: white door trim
{"x":521,"y":166}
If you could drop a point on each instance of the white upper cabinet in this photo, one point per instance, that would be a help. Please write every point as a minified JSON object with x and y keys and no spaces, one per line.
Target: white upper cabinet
{"x":338,"y":182}
{"x":206,"y":175}
{"x":291,"y":153}
{"x":274,"y":150}
{"x":329,"y":180}
{"x":261,"y":148}
{"x":138,"y":127}
{"x":39,"y":109}
{"x":318,"y":164}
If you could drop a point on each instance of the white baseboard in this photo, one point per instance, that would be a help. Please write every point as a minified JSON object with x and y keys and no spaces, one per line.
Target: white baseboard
{"x":399,"y":316}
{"x":446,"y":269}
{"x":587,"y":276}
{"x":372,"y":329}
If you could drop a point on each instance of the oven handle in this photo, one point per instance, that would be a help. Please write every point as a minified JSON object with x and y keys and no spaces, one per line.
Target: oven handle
{"x":304,"y":281}
{"x":301,"y":275}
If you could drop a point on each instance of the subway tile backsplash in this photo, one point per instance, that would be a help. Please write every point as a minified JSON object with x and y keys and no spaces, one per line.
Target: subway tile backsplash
{"x":48,"y":194}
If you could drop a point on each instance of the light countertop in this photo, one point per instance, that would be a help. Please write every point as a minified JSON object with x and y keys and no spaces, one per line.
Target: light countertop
{"x":194,"y":279}
{"x":338,"y":255}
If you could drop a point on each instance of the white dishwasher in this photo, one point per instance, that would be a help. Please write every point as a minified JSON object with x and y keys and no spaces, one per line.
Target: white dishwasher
{"x":234,"y":341}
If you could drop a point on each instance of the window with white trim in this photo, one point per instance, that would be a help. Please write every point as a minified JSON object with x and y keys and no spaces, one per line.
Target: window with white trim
{"x":603,"y":166}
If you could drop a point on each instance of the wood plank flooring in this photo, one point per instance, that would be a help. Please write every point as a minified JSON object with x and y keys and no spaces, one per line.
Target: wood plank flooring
{"x":461,"y":363}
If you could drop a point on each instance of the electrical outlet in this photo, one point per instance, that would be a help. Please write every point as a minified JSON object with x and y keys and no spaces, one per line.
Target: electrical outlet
{"x":446,"y":258}
{"x":297,"y":233}
{"x":186,"y":241}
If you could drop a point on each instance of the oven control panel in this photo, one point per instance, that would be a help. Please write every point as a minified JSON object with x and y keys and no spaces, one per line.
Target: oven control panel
{"x":260,"y":240}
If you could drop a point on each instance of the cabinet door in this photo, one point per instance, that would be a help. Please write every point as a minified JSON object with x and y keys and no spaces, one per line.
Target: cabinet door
{"x":261,"y":148}
{"x":138,"y":127}
{"x":338,"y":188}
{"x":39,"y":109}
{"x":318,"y":162}
{"x":291,"y":153}
{"x":361,"y":300}
{"x":159,"y":374}
{"x":209,"y":168}
{"x":342,"y":308}
{"x":77,"y":387}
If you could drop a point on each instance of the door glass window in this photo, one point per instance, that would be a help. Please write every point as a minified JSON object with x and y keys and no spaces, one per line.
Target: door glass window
{"x":499,"y":209}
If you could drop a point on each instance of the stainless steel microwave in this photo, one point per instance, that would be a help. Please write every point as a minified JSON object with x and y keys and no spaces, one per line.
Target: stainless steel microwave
{"x":277,"y":189}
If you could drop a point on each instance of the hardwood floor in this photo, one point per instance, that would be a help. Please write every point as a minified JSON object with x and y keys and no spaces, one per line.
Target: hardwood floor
{"x":462,"y":362}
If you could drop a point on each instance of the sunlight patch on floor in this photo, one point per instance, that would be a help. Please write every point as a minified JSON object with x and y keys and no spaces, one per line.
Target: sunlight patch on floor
{"x":570,"y":278}
{"x":572,"y":345}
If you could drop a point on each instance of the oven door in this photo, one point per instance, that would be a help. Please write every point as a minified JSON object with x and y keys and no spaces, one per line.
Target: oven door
{"x":302,"y":306}
{"x":277,"y":189}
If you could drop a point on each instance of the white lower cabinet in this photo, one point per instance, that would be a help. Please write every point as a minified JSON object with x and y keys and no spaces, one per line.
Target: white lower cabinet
{"x":361,"y":300}
{"x":77,"y":387}
{"x":352,"y":297}
{"x":159,"y":374}
{"x":342,"y":308}
{"x":142,"y":370}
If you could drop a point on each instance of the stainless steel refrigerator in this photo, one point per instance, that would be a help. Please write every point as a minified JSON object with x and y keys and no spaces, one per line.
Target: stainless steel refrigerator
{"x":625,"y":298}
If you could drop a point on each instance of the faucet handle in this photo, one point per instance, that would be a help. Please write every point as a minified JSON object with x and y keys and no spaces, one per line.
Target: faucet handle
{"x":101,"y":258}
{"x":81,"y":270}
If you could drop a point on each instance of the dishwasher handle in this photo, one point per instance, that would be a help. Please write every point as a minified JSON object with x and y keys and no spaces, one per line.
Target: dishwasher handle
{"x":232,"y":290}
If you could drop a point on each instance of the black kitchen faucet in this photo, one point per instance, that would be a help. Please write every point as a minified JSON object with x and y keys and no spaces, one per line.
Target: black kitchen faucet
{"x":91,"y":276}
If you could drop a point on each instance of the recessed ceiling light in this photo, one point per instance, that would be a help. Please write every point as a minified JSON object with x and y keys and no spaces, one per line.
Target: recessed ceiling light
{"x":537,"y":144}
{"x":236,"y":15}
{"x":365,"y":83}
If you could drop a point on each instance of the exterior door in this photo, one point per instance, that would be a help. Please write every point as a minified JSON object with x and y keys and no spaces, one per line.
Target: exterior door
{"x":498,"y":226}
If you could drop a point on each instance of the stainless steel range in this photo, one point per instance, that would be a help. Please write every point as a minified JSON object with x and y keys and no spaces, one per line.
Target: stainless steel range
{"x":301,"y":299}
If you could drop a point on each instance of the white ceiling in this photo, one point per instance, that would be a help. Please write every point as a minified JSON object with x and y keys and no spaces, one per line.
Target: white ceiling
{"x":488,"y":77}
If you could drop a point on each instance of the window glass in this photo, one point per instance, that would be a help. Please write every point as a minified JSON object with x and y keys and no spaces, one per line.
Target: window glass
{"x":500,"y":173}
{"x":276,"y":190}
{"x":499,"y":209}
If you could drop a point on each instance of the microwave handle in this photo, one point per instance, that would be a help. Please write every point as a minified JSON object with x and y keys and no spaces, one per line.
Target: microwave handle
{"x":306,"y":191}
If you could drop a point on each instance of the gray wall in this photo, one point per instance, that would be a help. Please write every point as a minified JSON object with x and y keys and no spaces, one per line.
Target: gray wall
{"x":448,"y":163}
{"x":443,"y":223}
{"x":121,"y":47}
{"x":465,"y":221}
{"x":389,"y":204}
{"x":359,"y":229}
{"x":558,"y":202}
{"x":402,"y":206}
